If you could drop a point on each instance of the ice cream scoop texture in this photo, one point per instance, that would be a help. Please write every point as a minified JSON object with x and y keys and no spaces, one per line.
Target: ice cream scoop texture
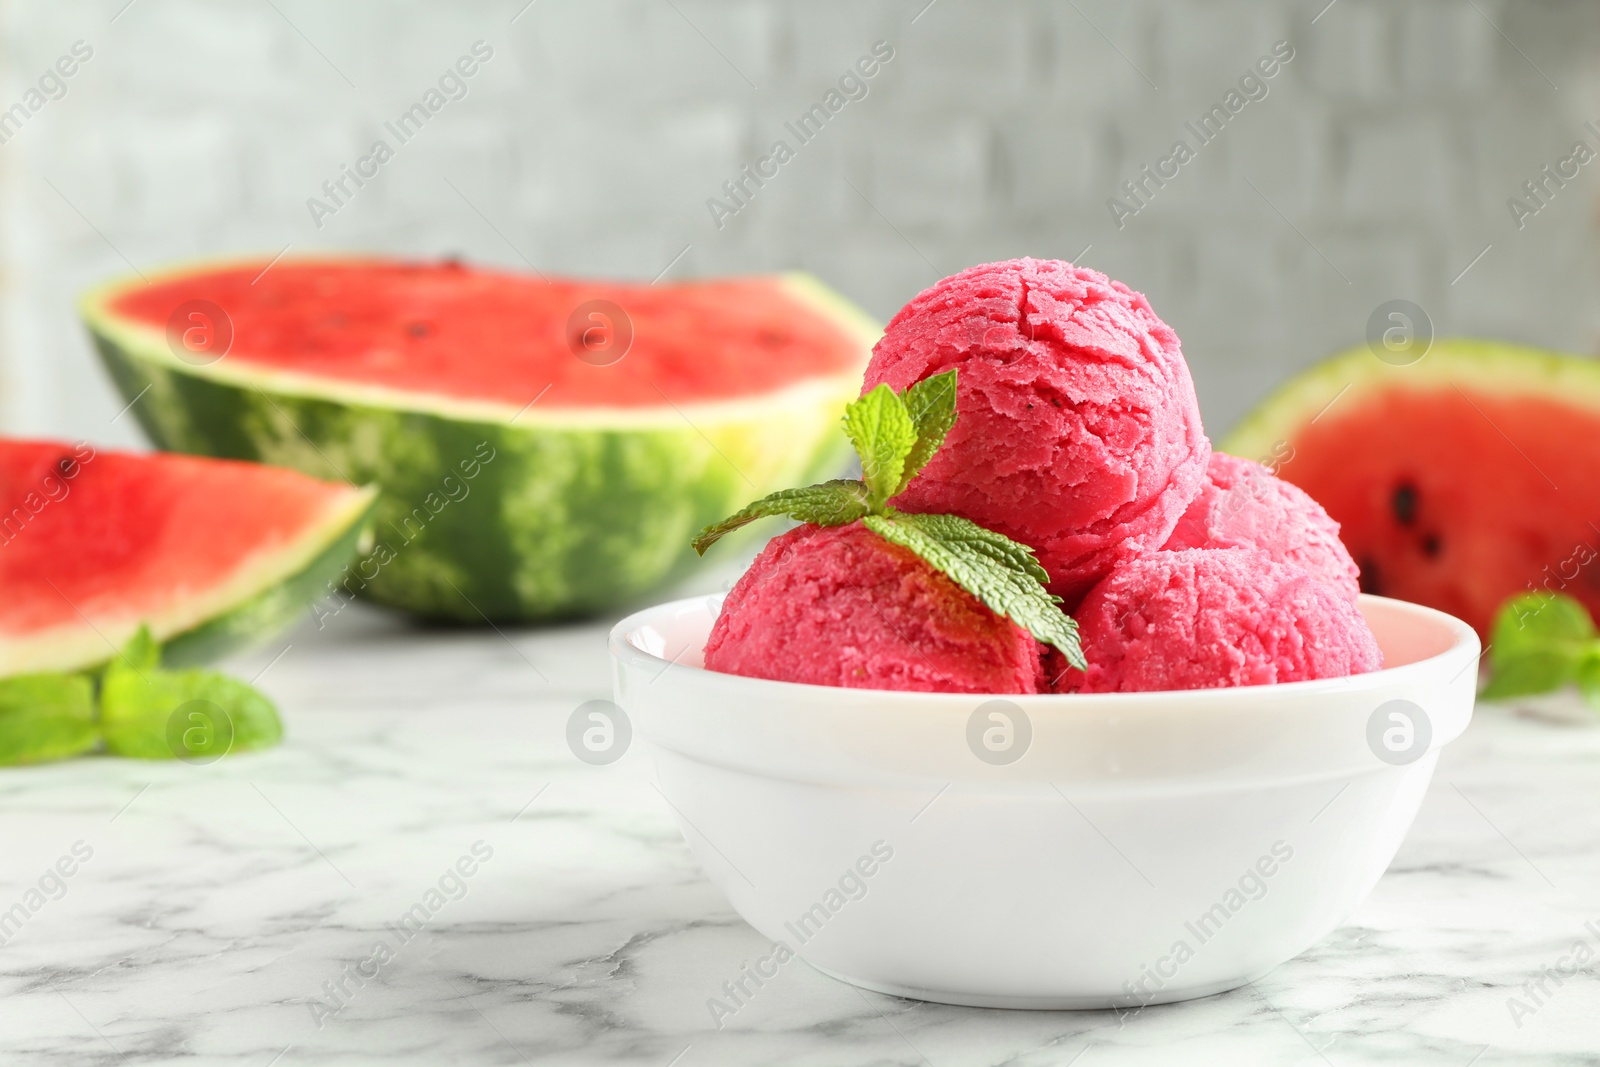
{"x":839,"y":605}
{"x":1209,"y":617}
{"x":1077,"y":433}
{"x":1245,"y":505}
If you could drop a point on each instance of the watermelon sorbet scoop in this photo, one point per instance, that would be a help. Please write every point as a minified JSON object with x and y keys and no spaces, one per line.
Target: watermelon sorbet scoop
{"x":1204,"y":618}
{"x":1078,"y":432}
{"x":1047,"y":404}
{"x":841,"y":606}
{"x":1245,"y":505}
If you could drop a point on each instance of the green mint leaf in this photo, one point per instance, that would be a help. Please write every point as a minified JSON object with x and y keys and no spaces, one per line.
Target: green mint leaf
{"x":1588,"y":678}
{"x":1539,"y":642}
{"x":1530,"y":673}
{"x":997,"y":570}
{"x":895,"y":434}
{"x":1535,"y":622}
{"x":193,"y":715}
{"x":880,"y":427}
{"x":141,"y":653}
{"x":931,"y":403}
{"x":46,"y":717}
{"x":835,"y":503}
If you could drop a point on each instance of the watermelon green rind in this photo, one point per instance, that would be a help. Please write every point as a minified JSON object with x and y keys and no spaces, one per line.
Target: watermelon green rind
{"x":284,"y":601}
{"x":1496,"y":367}
{"x":565,"y":512}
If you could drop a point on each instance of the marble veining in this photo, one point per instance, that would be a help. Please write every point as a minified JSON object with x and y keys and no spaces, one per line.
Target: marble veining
{"x":233,"y":913}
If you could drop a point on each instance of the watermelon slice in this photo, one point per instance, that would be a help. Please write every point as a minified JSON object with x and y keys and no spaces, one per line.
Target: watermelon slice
{"x":1458,"y":481}
{"x":539,"y":452}
{"x":212,"y":555}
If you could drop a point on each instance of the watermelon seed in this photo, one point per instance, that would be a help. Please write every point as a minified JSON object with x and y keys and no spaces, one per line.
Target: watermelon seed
{"x":1432,"y":546}
{"x":417,"y":329}
{"x":1404,"y":503}
{"x":1369,"y":576}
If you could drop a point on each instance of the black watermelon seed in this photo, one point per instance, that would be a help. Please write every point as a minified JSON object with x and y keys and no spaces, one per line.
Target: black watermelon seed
{"x":417,"y":329}
{"x":1404,"y":503}
{"x":1369,"y":576}
{"x":1432,"y":546}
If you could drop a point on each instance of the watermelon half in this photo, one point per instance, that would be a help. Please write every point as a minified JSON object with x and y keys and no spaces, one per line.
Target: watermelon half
{"x":1458,"y":481}
{"x":212,"y":555}
{"x":539,"y":452}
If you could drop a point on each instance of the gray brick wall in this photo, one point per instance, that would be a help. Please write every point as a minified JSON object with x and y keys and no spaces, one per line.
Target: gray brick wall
{"x":1376,"y":167}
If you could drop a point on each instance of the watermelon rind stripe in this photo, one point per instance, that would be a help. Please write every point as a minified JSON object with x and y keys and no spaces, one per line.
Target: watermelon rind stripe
{"x":284,"y":601}
{"x":1342,"y":383}
{"x":485,"y":514}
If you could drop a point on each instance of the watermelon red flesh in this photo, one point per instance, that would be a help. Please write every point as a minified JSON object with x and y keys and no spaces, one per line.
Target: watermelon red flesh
{"x":491,"y":508}
{"x":444,"y":330}
{"x":92,"y":543}
{"x":1458,"y":485}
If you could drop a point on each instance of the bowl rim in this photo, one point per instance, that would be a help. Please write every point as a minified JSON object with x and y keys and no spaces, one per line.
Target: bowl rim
{"x":1464,"y":646}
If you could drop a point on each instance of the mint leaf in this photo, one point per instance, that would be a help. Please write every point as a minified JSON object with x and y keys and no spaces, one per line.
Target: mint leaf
{"x":834,"y":503}
{"x":1530,"y":673}
{"x":1588,"y":678}
{"x":880,"y":427}
{"x":1541,"y":642}
{"x":193,"y":715}
{"x":1537,"y":621}
{"x":931,"y":403}
{"x":141,"y":653}
{"x":894,"y":434}
{"x":46,"y":717}
{"x":997,"y":570}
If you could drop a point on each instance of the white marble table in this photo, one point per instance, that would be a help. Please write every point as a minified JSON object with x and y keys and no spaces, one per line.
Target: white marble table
{"x":220,"y":902}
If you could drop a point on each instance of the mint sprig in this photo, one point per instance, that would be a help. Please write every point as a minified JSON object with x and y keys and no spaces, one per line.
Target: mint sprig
{"x":880,"y":426}
{"x":931,"y":403}
{"x":147,"y":712}
{"x":992,"y":567}
{"x":46,"y":717}
{"x":140,"y":710}
{"x":834,"y":503}
{"x":896,"y":434}
{"x":1541,"y":642}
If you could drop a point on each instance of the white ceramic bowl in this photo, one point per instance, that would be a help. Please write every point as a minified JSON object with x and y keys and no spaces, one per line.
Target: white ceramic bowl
{"x":1140,"y":848}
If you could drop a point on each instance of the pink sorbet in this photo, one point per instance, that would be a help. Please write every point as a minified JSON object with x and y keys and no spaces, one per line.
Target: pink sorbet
{"x":1244,"y":505}
{"x":1078,"y":432}
{"x":1205,"y":618}
{"x":839,"y":605}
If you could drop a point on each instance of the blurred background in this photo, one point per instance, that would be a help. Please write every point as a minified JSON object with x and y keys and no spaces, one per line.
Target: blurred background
{"x":1377,"y":165}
